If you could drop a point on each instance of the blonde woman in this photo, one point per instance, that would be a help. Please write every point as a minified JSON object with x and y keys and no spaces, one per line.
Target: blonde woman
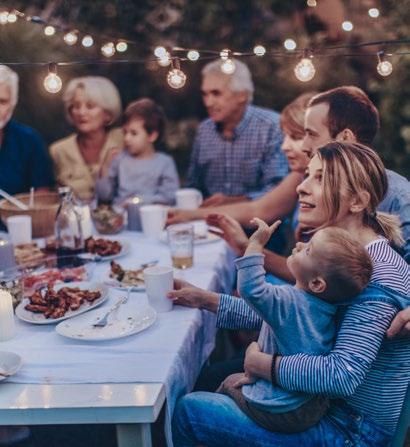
{"x":92,"y":105}
{"x":344,"y":185}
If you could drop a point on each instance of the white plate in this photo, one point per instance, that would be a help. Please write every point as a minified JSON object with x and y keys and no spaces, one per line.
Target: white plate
{"x":209,"y":238}
{"x":10,"y":363}
{"x":125,"y":249}
{"x":39,"y":318}
{"x":127,"y":321}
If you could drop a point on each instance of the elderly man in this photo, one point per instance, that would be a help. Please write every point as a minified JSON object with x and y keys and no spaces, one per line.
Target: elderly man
{"x":24,"y":161}
{"x":236,"y":154}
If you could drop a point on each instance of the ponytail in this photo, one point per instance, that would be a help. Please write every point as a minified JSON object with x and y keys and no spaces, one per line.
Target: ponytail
{"x":388,"y":225}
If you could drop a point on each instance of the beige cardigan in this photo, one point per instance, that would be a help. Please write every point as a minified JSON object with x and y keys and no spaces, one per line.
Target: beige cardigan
{"x":70,"y":168}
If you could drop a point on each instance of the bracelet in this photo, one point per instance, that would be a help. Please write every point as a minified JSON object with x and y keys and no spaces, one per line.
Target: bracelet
{"x":272,"y":370}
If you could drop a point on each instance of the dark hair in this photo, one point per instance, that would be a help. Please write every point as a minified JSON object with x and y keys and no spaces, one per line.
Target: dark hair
{"x":149,"y":112}
{"x":350,"y":108}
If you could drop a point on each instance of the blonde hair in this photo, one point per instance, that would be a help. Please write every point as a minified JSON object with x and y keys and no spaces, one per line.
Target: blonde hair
{"x":358,"y":169}
{"x":344,"y":263}
{"x":98,"y":89}
{"x":11,"y":79}
{"x":292,"y":117}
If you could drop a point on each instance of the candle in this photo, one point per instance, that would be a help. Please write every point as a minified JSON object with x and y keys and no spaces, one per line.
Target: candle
{"x":133,"y":209}
{"x":7,"y":326}
{"x":7,"y":259}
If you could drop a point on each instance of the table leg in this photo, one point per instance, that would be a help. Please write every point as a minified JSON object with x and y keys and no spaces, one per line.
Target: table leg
{"x":134,"y":435}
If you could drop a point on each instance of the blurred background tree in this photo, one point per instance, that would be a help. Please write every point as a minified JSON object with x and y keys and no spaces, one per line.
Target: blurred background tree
{"x":214,"y":24}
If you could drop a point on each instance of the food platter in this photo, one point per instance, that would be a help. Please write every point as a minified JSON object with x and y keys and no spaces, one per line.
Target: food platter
{"x":124,"y":250}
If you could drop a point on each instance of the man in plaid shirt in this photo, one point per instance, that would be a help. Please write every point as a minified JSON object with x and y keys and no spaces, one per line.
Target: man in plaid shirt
{"x":236,"y":154}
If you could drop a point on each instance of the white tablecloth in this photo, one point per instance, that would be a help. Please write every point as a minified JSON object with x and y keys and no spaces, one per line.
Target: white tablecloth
{"x":161,"y":353}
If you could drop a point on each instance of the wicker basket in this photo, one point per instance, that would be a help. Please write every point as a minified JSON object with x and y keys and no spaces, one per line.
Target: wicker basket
{"x":42,"y":214}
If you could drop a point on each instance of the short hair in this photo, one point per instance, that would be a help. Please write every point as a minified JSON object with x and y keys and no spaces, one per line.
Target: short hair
{"x":98,"y":89}
{"x":149,"y":112}
{"x":11,"y":79}
{"x":292,"y":116}
{"x":239,"y":81}
{"x":344,"y":263}
{"x":350,"y":108}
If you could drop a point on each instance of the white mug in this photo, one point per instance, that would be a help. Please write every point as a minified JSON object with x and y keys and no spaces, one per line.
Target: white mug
{"x":188,"y":198}
{"x":153,"y":218}
{"x":158,"y":282}
{"x":19,"y":229}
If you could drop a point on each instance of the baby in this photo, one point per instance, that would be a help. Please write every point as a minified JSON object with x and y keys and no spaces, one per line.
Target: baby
{"x":139,"y":170}
{"x":331,"y":269}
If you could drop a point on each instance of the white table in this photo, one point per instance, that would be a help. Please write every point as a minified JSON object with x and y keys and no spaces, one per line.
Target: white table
{"x":42,"y":398}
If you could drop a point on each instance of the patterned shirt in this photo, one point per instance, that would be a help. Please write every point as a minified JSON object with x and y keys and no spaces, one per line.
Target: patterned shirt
{"x":249,"y":164}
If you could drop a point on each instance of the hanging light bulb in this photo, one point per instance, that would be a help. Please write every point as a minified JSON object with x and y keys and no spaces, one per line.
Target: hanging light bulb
{"x":165,"y":60}
{"x":347,"y":25}
{"x":373,"y":13}
{"x":259,"y":50}
{"x":290,"y":44}
{"x":52,"y":82}
{"x":160,"y":52}
{"x":49,"y":30}
{"x":193,"y":55}
{"x":384,"y":68}
{"x":3,"y":17}
{"x":305,"y":70}
{"x":71,"y":38}
{"x":108,"y":49}
{"x":225,"y":54}
{"x":311,"y":3}
{"x":87,"y":41}
{"x":12,"y":18}
{"x":228,"y":66}
{"x":176,"y":78}
{"x":121,"y":46}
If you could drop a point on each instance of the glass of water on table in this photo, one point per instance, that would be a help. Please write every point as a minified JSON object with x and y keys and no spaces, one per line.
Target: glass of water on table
{"x":181,"y":244}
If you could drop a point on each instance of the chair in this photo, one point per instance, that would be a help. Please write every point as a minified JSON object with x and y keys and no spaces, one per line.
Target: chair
{"x":404,"y":422}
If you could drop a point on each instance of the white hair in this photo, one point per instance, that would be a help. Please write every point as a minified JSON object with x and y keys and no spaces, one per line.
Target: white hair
{"x":11,"y":79}
{"x":239,"y":81}
{"x":98,"y":89}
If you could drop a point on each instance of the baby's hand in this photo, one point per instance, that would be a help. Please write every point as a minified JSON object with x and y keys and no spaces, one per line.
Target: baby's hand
{"x":263,"y":233}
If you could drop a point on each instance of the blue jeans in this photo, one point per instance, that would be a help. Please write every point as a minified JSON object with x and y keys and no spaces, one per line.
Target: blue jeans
{"x":213,"y":419}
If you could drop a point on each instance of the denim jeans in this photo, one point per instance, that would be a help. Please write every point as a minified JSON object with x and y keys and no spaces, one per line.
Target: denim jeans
{"x":214,"y":420}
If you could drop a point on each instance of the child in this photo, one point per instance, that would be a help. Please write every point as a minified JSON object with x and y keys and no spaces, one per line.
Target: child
{"x":331,"y":268}
{"x":139,"y":170}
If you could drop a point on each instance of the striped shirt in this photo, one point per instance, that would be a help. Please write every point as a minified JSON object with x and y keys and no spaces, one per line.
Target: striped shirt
{"x":249,"y":164}
{"x":359,"y":367}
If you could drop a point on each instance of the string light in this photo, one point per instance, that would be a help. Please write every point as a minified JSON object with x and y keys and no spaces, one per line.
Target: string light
{"x":305,"y":70}
{"x":259,"y":50}
{"x":311,"y":3}
{"x":225,"y":54}
{"x":87,"y":41}
{"x":108,"y":49}
{"x":121,"y":46}
{"x":52,"y":82}
{"x":165,"y":60}
{"x":176,"y":78}
{"x":193,"y":55}
{"x":160,"y":52}
{"x":71,"y":38}
{"x":228,"y":66}
{"x":12,"y":18}
{"x":384,"y":68}
{"x":290,"y":44}
{"x":373,"y":13}
{"x":3,"y":17}
{"x":347,"y":25}
{"x":49,"y":30}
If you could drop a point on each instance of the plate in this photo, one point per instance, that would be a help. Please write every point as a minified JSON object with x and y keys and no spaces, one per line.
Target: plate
{"x":128,"y":321}
{"x":209,"y":238}
{"x":10,"y":363}
{"x":94,"y":257}
{"x":38,"y":318}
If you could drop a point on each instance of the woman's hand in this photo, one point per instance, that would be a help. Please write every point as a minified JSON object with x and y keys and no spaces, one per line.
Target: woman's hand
{"x":242,"y":379}
{"x":400,"y":325}
{"x":257,"y":364}
{"x":261,"y":236}
{"x":188,"y":295}
{"x":231,"y":231}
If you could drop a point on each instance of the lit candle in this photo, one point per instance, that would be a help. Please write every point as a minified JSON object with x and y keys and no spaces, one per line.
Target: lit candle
{"x":7,"y":326}
{"x":133,"y":209}
{"x":7,"y":259}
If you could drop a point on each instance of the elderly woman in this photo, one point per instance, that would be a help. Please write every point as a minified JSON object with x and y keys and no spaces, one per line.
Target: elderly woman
{"x":92,"y":105}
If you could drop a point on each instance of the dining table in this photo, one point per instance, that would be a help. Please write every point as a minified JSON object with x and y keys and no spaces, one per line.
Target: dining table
{"x":126,"y":380}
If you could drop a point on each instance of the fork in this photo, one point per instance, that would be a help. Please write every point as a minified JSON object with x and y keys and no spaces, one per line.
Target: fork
{"x":103,"y":321}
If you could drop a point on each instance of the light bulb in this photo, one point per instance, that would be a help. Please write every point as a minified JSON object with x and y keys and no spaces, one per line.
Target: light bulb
{"x":176,"y":78}
{"x":290,"y":44}
{"x":305,"y":70}
{"x":193,"y":55}
{"x":228,"y":66}
{"x":3,"y":17}
{"x":12,"y":18}
{"x":259,"y":50}
{"x":160,"y":52}
{"x":224,"y":54}
{"x":311,"y":3}
{"x":87,"y":41}
{"x":384,"y":68}
{"x":347,"y":25}
{"x":70,"y":38}
{"x":52,"y":82}
{"x":165,"y":60}
{"x":374,"y":13}
{"x":121,"y":46}
{"x":108,"y":49}
{"x":49,"y":30}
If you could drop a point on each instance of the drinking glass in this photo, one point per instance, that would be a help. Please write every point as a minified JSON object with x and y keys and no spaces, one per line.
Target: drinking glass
{"x":181,"y":244}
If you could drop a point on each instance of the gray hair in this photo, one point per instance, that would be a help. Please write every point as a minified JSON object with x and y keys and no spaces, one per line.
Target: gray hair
{"x":98,"y":89}
{"x":11,"y":79}
{"x":240,"y":79}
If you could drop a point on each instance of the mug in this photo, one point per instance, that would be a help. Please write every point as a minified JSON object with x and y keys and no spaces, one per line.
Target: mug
{"x":158,"y":282}
{"x":19,"y":229}
{"x":188,"y":198}
{"x":153,"y":218}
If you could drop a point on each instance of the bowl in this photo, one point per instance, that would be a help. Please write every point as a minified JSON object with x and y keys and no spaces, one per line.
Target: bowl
{"x":109,"y":219}
{"x":42,"y":214}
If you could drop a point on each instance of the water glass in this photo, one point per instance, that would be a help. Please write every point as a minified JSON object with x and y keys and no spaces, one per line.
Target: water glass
{"x":181,"y":244}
